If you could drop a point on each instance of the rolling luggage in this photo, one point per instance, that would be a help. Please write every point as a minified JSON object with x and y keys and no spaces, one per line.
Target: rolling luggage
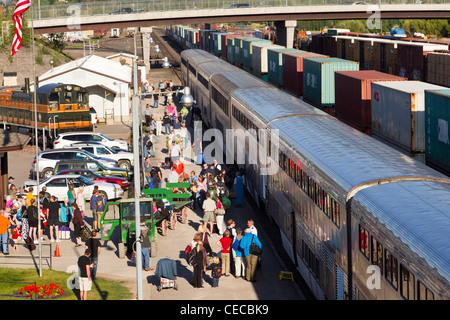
{"x":85,"y":233}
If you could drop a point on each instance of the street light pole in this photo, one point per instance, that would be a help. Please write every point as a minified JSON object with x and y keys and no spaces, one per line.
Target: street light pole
{"x":137,"y":177}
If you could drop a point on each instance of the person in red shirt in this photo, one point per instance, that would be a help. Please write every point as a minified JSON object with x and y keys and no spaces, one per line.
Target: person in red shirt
{"x":180,"y":167}
{"x":225,"y":244}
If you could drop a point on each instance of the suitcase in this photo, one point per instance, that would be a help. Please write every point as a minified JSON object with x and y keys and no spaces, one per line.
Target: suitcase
{"x":85,"y":233}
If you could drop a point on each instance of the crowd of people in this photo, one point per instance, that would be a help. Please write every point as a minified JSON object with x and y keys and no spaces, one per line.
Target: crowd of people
{"x":236,"y":255}
{"x":211,"y":192}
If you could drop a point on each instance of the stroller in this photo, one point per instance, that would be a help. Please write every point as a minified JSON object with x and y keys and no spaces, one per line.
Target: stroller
{"x":166,"y":271}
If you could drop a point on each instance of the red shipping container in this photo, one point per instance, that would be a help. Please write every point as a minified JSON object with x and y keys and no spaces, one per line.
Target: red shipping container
{"x":411,"y":59}
{"x":224,"y":43}
{"x":353,"y":96}
{"x":293,"y":70}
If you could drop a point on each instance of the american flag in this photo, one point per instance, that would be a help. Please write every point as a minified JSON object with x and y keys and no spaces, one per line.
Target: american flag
{"x":21,"y":7}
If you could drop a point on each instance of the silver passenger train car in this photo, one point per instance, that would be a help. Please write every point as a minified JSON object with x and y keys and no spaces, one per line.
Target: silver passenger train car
{"x":359,"y":219}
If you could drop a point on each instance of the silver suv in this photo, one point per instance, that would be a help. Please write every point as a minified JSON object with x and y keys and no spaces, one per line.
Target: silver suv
{"x":68,"y":138}
{"x":49,"y":158}
{"x":124,"y":159}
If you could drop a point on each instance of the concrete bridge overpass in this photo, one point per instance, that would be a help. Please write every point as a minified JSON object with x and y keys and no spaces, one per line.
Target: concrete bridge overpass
{"x":96,"y":15}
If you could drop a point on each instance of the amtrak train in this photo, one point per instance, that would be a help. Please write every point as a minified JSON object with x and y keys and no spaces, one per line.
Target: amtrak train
{"x":359,"y":219}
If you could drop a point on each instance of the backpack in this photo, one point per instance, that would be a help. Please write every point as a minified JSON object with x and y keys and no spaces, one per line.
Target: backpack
{"x":217,"y":272}
{"x":191,"y":257}
{"x":100,"y":203}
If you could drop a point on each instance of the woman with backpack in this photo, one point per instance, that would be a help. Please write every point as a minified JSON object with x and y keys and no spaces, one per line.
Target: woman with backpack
{"x":199,"y":260}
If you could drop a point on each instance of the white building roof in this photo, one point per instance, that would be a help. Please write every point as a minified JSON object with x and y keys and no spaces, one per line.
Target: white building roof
{"x":95,"y":64}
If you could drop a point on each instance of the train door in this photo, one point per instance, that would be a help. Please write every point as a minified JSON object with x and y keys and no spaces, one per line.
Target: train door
{"x":339,"y":284}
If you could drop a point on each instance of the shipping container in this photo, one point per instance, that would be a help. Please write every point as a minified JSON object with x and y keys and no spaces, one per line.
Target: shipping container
{"x":275,"y":61}
{"x":364,"y":53}
{"x":260,"y":60}
{"x":329,"y":46}
{"x":318,"y":79}
{"x":239,"y":51}
{"x":385,"y":56}
{"x":224,"y":40}
{"x":247,"y":50}
{"x":398,"y":115}
{"x":437,"y":113}
{"x":293,"y":70}
{"x":353,"y":96}
{"x":231,"y":42}
{"x":345,"y":47}
{"x":411,"y":59}
{"x":438,"y":68}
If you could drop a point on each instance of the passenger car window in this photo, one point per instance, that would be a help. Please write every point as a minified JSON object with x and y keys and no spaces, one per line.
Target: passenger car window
{"x":101,"y":150}
{"x":80,"y":155}
{"x":92,"y":166}
{"x":89,"y":149}
{"x":58,"y":182}
{"x":79,"y":165}
{"x":97,"y":138}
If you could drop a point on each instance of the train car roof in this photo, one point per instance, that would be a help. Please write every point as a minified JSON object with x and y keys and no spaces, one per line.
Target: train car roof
{"x":236,"y":80}
{"x":209,"y":68}
{"x":268,"y":103}
{"x":47,"y":88}
{"x":196,"y":56}
{"x":416,"y":212}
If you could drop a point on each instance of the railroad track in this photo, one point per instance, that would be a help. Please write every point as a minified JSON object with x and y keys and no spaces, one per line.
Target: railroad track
{"x":168,"y":49}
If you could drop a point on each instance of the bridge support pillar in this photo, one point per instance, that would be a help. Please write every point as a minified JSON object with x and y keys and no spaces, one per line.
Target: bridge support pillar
{"x":146,"y":46}
{"x":285,"y":32}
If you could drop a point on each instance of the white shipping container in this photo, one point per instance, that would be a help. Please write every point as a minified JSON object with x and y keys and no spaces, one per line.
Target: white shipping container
{"x":259,"y":56}
{"x":398,"y":115}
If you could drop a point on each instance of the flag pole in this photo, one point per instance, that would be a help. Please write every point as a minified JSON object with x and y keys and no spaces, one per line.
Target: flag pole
{"x":37,"y":140}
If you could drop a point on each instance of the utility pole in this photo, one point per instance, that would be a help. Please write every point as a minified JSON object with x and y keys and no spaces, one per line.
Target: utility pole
{"x":137,"y":176}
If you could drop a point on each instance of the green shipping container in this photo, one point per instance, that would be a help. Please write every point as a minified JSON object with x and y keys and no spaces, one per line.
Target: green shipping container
{"x":230,"y":49}
{"x":247,"y":50}
{"x":275,"y":65}
{"x":437,"y":118}
{"x":318,"y":78}
{"x":238,"y":49}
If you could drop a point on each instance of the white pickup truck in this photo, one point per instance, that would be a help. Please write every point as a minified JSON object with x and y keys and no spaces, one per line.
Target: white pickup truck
{"x":124,"y":159}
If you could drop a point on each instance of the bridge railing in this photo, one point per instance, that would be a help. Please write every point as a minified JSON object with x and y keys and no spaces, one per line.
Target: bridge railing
{"x":64,"y":11}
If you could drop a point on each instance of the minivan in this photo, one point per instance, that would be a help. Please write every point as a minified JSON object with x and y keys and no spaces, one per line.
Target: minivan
{"x":67,"y":138}
{"x":49,"y":158}
{"x":94,"y":166}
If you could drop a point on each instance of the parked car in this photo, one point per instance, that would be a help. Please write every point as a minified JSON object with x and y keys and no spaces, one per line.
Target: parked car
{"x":94,"y":166}
{"x":238,"y":5}
{"x":124,"y":159}
{"x":94,"y":116}
{"x":122,"y":11}
{"x":67,"y":138}
{"x":95,"y":177}
{"x":49,"y":158}
{"x":58,"y":185}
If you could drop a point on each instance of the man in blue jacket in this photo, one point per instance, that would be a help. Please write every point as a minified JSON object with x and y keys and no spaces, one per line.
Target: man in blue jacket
{"x":250,"y":259}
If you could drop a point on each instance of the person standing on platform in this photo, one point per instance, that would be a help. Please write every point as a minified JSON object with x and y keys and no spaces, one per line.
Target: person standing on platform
{"x":94,"y":245}
{"x":85,"y":280}
{"x":225,"y":244}
{"x":148,"y":115}
{"x":239,"y":189}
{"x":78,"y":223}
{"x":238,"y":255}
{"x":145,"y":247}
{"x":209,"y":205}
{"x":251,"y":260}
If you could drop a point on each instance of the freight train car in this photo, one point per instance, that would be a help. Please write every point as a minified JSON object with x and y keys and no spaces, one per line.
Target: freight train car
{"x":60,"y":108}
{"x":359,"y":219}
